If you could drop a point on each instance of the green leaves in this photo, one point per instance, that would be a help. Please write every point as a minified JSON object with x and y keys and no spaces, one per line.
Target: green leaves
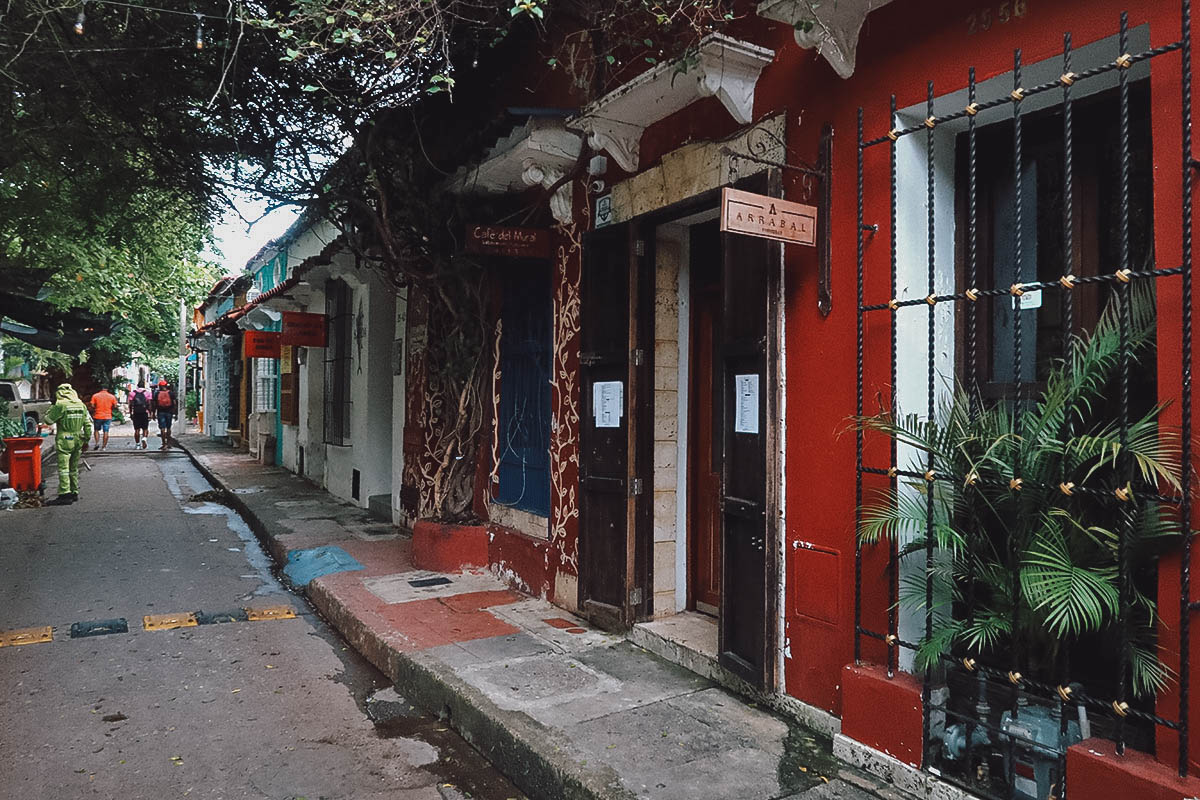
{"x":531,"y":7}
{"x":1072,"y":597}
{"x":1039,"y":563}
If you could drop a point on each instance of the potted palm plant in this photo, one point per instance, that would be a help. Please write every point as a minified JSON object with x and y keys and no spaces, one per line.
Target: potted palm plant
{"x":1031,"y":504}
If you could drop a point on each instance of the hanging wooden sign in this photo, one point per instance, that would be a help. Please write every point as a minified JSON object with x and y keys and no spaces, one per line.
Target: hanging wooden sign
{"x":768,"y":217}
{"x":260,"y":344}
{"x":497,"y":240}
{"x":303,"y":330}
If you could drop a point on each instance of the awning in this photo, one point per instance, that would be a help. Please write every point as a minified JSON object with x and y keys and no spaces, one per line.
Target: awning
{"x":259,"y":318}
{"x":831,"y":28}
{"x":722,"y":67}
{"x":284,"y":291}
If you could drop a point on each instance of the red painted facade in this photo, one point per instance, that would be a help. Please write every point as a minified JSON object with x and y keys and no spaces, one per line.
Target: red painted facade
{"x":903,"y":45}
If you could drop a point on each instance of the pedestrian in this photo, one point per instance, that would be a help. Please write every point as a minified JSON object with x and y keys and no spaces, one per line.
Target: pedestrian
{"x":139,"y":412}
{"x":167,"y":408}
{"x":72,"y":429}
{"x":103,"y":403}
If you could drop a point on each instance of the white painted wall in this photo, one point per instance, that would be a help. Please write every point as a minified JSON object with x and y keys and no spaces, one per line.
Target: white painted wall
{"x":373,"y":329}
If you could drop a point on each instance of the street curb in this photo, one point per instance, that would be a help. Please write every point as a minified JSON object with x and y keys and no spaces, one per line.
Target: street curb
{"x":521,"y":748}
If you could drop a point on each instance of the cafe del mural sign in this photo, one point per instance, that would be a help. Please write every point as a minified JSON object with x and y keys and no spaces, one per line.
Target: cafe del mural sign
{"x":499,"y":240}
{"x":768,"y":217}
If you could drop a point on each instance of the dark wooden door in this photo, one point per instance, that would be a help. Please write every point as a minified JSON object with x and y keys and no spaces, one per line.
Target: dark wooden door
{"x":744,"y":639}
{"x":704,"y":456}
{"x":612,"y":502}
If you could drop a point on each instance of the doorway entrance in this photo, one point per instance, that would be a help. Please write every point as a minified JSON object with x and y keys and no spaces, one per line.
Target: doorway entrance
{"x":704,"y":428}
{"x":679,"y":378}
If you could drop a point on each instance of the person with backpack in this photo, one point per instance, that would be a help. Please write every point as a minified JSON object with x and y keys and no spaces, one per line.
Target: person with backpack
{"x":139,"y":412}
{"x":168,"y":410}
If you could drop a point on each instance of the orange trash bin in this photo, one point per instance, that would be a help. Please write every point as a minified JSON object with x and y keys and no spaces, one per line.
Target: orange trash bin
{"x":24,"y":462}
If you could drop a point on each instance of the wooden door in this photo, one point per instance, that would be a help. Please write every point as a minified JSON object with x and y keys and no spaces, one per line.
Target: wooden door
{"x":745,"y":606}
{"x":612,"y":504}
{"x":704,"y":451}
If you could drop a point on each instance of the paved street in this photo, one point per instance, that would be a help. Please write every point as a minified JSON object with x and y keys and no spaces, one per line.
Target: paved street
{"x":273,"y":708}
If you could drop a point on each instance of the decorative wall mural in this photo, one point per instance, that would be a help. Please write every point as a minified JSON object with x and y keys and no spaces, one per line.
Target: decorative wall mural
{"x":494,"y":474}
{"x":564,"y":432}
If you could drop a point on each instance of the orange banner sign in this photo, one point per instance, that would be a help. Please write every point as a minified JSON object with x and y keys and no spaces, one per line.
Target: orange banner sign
{"x":260,"y":344}
{"x":768,"y":217}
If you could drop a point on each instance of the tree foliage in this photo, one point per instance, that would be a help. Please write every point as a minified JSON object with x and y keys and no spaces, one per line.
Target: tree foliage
{"x":127,"y":140}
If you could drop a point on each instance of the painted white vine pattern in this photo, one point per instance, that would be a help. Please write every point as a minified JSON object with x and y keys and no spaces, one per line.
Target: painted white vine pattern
{"x":564,"y":438}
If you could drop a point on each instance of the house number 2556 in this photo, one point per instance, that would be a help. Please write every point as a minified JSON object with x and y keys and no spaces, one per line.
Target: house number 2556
{"x":983,"y":19}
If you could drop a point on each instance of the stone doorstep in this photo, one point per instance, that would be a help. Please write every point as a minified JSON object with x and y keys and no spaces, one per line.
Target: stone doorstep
{"x":656,"y":636}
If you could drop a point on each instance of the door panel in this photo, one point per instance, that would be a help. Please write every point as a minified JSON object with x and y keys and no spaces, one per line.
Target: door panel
{"x":608,"y":291}
{"x":704,"y":514}
{"x":744,"y":340}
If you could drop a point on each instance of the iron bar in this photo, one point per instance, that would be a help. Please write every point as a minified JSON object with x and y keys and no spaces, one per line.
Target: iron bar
{"x":1134,"y":58}
{"x":1123,"y":355}
{"x":1185,"y":507}
{"x":1016,"y":541}
{"x":1029,"y":286}
{"x":974,"y":396}
{"x":858,"y":410}
{"x":930,"y":486}
{"x":1025,"y":485}
{"x":893,"y":566}
{"x":1039,"y":689}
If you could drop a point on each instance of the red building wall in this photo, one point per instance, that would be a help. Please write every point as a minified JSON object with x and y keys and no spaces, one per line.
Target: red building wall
{"x":902,"y":47}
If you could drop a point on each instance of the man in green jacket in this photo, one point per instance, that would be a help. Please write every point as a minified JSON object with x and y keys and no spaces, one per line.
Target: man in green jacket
{"x":73,"y":428}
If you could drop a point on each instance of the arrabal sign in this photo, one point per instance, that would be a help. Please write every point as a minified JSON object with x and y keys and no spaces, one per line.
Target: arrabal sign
{"x":768,"y":217}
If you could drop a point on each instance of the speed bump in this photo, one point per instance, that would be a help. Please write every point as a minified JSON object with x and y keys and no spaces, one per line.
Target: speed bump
{"x":271,"y":612}
{"x":27,"y":636}
{"x":166,"y":622}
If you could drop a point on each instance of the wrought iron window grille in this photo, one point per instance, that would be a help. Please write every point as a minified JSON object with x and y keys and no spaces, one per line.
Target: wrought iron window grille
{"x":1063,"y":698}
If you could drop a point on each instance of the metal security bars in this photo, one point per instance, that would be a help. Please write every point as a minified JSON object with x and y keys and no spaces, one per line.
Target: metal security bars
{"x":1021,"y":752}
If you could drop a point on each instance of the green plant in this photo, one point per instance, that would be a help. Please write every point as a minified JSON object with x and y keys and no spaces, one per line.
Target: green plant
{"x":191,"y":404}
{"x":1028,"y":515}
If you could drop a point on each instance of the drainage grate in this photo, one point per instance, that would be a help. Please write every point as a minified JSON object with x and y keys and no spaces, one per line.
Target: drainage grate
{"x":421,"y":583}
{"x":98,"y":627}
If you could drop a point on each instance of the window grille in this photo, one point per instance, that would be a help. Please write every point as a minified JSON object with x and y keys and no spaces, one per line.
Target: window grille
{"x":266,"y":379}
{"x":337,"y":362}
{"x":523,"y":423}
{"x":987,"y":703}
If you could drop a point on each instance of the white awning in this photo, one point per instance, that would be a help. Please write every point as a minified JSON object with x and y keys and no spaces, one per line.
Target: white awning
{"x":831,"y":28}
{"x":722,"y":67}
{"x":259,"y":318}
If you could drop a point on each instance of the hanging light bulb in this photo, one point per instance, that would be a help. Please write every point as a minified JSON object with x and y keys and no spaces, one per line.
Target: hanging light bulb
{"x":79,"y":20}
{"x":199,"y":32}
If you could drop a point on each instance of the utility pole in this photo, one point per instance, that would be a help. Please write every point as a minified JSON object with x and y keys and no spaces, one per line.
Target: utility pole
{"x":181,"y":384}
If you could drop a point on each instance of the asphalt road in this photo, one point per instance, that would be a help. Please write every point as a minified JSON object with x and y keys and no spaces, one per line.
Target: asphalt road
{"x":243,"y":709}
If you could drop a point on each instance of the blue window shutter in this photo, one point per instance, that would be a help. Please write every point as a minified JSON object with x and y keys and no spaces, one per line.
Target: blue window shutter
{"x":524,"y":415}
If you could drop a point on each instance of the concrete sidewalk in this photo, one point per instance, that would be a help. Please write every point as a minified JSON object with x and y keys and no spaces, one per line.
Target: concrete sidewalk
{"x":564,"y":710}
